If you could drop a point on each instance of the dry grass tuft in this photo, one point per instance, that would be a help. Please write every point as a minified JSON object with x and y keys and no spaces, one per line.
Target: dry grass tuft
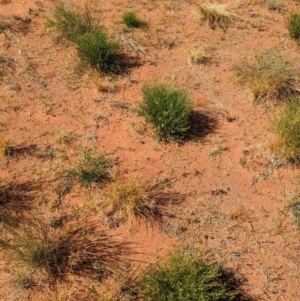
{"x":198,"y":55}
{"x":64,"y":138}
{"x":129,"y":199}
{"x":216,"y":15}
{"x":5,"y":144}
{"x":44,"y":255}
{"x":268,"y":75}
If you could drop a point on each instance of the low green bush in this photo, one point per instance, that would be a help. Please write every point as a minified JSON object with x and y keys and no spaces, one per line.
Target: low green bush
{"x":186,"y":278}
{"x":294,"y":25}
{"x":131,"y":20}
{"x":96,"y":49}
{"x":168,"y":109}
{"x":287,"y":129}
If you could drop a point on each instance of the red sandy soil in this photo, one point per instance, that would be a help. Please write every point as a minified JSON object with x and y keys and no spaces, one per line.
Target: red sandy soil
{"x":236,"y":196}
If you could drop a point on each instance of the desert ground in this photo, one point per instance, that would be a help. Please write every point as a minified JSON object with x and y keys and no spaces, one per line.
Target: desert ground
{"x":234,"y":193}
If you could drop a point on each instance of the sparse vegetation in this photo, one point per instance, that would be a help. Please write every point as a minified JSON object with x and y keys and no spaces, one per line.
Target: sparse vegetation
{"x":216,"y":15}
{"x":268,"y":75}
{"x":168,"y":109}
{"x":93,"y":45}
{"x":186,"y":277}
{"x":131,"y":19}
{"x":93,"y":168}
{"x":287,"y":128}
{"x":128,"y":199}
{"x":295,"y":210}
{"x":294,"y":25}
{"x":71,"y":23}
{"x":198,"y":55}
{"x":96,"y":49}
{"x":43,"y":256}
{"x":274,"y":5}
{"x":64,"y":138}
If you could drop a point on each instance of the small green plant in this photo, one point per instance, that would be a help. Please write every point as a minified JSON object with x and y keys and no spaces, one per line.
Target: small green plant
{"x":168,"y":109}
{"x":287,"y":128}
{"x":186,"y":278}
{"x":96,"y":49}
{"x":216,"y":15}
{"x":71,"y":23}
{"x":131,"y":20}
{"x":126,"y":199}
{"x":295,"y":210}
{"x":93,"y":169}
{"x":294,"y":26}
{"x":269,"y":76}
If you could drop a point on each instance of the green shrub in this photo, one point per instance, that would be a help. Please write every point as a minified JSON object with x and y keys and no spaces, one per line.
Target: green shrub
{"x":131,"y":20}
{"x":168,"y":109}
{"x":71,"y":23}
{"x":185,"y":278}
{"x":268,"y":75}
{"x":96,"y":49}
{"x":287,"y":128}
{"x":294,"y":25}
{"x":93,"y":169}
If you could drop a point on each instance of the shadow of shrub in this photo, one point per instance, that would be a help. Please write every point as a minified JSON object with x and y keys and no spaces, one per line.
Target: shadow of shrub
{"x":202,"y":123}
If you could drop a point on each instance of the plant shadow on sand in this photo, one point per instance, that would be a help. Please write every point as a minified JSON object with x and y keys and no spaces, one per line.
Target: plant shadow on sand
{"x":202,"y":123}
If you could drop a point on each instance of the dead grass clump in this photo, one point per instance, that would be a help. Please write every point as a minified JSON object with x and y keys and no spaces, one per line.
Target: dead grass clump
{"x":268,"y":75}
{"x":45,"y":255}
{"x":216,"y":15}
{"x":128,"y":199}
{"x":64,"y":138}
{"x":198,"y":55}
{"x":5,"y":144}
